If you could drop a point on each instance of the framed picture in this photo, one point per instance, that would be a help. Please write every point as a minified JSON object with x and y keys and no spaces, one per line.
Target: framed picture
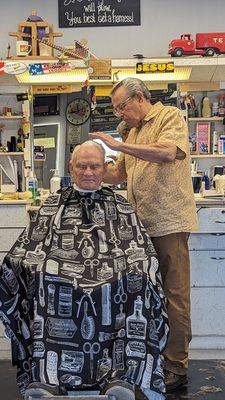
{"x":73,"y":134}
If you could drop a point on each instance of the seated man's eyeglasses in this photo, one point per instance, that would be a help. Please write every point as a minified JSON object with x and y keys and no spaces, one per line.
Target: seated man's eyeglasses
{"x":120,"y":108}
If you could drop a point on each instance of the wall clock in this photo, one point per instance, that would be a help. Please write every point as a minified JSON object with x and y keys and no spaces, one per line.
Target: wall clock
{"x":78,"y":111}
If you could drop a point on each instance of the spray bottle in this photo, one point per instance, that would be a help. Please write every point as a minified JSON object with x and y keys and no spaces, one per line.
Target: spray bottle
{"x":32,"y":184}
{"x":55,"y":181}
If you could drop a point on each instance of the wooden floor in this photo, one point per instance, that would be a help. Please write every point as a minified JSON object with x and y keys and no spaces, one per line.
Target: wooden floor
{"x":206,"y":381}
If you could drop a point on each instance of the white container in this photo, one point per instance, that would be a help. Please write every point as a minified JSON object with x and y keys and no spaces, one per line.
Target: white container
{"x":55,"y":182}
{"x":215,"y":142}
{"x":32,"y":184}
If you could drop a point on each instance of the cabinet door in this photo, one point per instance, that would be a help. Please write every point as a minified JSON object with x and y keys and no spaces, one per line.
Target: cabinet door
{"x":2,"y":255}
{"x":207,"y":241}
{"x":8,"y":238}
{"x":13,"y":215}
{"x":207,"y":311}
{"x":211,"y":220}
{"x":207,"y":268}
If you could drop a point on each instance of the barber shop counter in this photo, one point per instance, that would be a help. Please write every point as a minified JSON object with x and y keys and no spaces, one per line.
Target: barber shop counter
{"x":207,"y":255}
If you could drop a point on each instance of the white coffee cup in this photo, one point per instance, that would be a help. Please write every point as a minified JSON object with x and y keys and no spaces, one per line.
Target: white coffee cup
{"x":23,"y":48}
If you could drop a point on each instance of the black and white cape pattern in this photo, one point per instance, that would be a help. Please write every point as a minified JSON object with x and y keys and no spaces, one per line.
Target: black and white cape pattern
{"x":81,"y":296}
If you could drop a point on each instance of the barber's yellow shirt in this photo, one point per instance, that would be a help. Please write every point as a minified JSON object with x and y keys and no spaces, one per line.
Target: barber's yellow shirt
{"x":161,"y":193}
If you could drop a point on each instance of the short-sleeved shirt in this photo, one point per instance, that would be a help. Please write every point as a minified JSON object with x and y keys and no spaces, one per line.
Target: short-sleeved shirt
{"x":161,"y":193}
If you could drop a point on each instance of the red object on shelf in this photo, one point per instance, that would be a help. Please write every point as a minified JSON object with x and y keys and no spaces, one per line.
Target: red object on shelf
{"x":205,"y":44}
{"x":203,"y":137}
{"x":2,"y":64}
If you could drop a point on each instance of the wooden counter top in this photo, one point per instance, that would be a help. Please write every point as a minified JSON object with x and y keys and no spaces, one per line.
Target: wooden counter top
{"x":213,"y":201}
{"x":14,"y":202}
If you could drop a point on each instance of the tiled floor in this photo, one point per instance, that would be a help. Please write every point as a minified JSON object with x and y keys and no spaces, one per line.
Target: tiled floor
{"x":206,"y":381}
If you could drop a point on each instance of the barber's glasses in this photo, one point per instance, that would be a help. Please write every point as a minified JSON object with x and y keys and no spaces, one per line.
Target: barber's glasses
{"x":121,"y":107}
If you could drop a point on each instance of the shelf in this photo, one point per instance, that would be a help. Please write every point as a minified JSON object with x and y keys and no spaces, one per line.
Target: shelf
{"x":211,"y":119}
{"x":17,"y":153}
{"x":207,"y":155}
{"x":11,"y":117}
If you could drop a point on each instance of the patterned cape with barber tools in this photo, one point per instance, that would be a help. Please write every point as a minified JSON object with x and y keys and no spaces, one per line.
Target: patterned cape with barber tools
{"x":81,"y":296}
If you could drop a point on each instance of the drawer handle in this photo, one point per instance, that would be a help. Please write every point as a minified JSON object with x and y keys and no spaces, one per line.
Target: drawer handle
{"x":218,"y":234}
{"x":220,"y":222}
{"x":217,"y":258}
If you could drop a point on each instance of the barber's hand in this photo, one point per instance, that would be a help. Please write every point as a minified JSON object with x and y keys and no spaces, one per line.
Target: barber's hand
{"x":107,"y":139}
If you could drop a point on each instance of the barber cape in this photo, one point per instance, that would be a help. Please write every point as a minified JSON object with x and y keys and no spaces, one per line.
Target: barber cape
{"x":81,"y":296}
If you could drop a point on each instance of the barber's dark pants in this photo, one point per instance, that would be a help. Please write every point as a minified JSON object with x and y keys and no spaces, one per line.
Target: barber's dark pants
{"x":175,"y":269}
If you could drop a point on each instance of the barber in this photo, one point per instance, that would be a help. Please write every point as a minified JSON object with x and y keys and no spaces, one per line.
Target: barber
{"x":155,"y":161}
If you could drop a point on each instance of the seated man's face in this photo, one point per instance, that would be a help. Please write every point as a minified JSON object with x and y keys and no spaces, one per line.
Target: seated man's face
{"x":88,"y":168}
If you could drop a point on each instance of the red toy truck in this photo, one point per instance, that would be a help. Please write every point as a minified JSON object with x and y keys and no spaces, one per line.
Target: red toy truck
{"x":206,"y":44}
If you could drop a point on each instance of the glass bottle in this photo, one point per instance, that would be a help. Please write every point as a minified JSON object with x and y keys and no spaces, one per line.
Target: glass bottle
{"x":136,"y":323}
{"x":98,"y":215}
{"x":33,"y":185}
{"x":9,"y":278}
{"x":134,"y":278}
{"x":124,"y":229}
{"x":104,"y":365}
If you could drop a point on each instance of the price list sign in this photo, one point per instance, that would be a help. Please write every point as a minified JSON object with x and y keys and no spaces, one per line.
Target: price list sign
{"x":88,"y":13}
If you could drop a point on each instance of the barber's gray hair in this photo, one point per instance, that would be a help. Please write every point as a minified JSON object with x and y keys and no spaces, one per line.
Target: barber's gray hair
{"x":133,"y":85}
{"x":88,"y":143}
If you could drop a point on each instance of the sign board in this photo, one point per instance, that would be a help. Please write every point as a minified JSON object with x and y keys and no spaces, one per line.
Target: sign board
{"x":42,"y":69}
{"x":12,"y":68}
{"x":52,"y":89}
{"x":47,"y":143}
{"x":88,"y":13}
{"x":149,"y":68}
{"x":99,"y":69}
{"x":73,"y":134}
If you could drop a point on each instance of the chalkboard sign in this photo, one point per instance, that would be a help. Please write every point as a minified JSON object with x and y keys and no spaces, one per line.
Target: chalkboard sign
{"x":88,"y":13}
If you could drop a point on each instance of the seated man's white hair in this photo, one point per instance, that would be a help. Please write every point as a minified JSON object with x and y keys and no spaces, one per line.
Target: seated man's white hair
{"x":88,"y":143}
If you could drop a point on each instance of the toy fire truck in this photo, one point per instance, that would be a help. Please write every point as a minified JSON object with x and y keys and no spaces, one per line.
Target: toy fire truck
{"x":205,"y":44}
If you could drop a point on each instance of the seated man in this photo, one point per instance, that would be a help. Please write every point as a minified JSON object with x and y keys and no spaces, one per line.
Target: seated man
{"x":81,"y":295}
